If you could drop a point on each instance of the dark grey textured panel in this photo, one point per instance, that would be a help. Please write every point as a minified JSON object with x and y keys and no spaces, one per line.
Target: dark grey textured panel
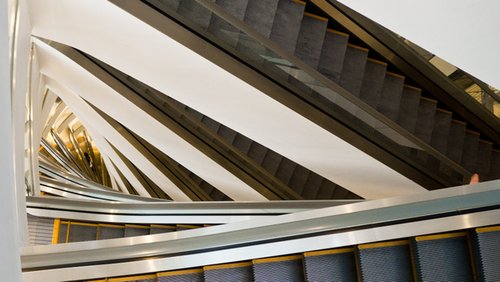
{"x":210,"y":123}
{"x":353,"y":69}
{"x":163,"y":229}
{"x":299,"y":179}
{"x":391,"y":96}
{"x":441,"y":131}
{"x":373,"y":81}
{"x":391,"y":263}
{"x":285,"y":170}
{"x":456,"y":141}
{"x":311,"y":186}
{"x":260,"y":15}
{"x":408,"y":109}
{"x":488,"y":255}
{"x":484,"y":157}
{"x":80,"y":233}
{"x":131,"y":231}
{"x":170,"y":4}
{"x":257,"y":152}
{"x":470,"y":149}
{"x":332,"y":55}
{"x":310,"y":40}
{"x":271,"y":162}
{"x":106,"y":232}
{"x":227,"y":133}
{"x":289,"y":270}
{"x":63,"y":228}
{"x":40,"y":230}
{"x":444,"y":260}
{"x":425,"y":120}
{"x":242,"y":143}
{"x":191,"y":277}
{"x":334,"y":267}
{"x":240,"y":274}
{"x":286,"y":24}
{"x":223,"y":29}
{"x":195,"y":12}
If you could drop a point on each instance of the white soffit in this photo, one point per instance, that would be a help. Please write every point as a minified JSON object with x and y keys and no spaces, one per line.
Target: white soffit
{"x":117,"y":38}
{"x":463,"y":32}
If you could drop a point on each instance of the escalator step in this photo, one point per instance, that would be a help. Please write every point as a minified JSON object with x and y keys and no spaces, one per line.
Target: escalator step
{"x":139,"y":278}
{"x":299,"y":179}
{"x":221,"y":28}
{"x":285,"y":170}
{"x":190,"y":275}
{"x":79,"y":232}
{"x":135,"y":230}
{"x":196,"y":12}
{"x":333,"y":54}
{"x":241,"y":272}
{"x":425,"y":121}
{"x":171,"y":4}
{"x":470,"y":149}
{"x":441,"y":131}
{"x":181,"y":227}
{"x":353,"y":68}
{"x":488,"y":253}
{"x":373,"y":81}
{"x":408,"y":109}
{"x":312,"y":186}
{"x":260,"y":15}
{"x":211,"y":124}
{"x":63,"y":228}
{"x":443,"y":257}
{"x":242,"y":143}
{"x":387,"y":261}
{"x":456,"y":140}
{"x":286,"y":25}
{"x":227,"y":133}
{"x":326,"y":190}
{"x":330,"y":265}
{"x":271,"y":162}
{"x":391,"y":95}
{"x":484,"y":154}
{"x":310,"y":40}
{"x":157,"y":229}
{"x":257,"y":152}
{"x":110,"y":231}
{"x":288,"y":268}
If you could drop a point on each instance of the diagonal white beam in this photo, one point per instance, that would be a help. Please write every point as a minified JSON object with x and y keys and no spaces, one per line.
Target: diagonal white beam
{"x":139,"y":50}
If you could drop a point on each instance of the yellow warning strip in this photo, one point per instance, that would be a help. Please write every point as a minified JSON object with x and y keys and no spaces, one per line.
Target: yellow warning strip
{"x":277,"y":259}
{"x":429,"y":100}
{"x":377,"y":62}
{"x":162,"y":226}
{"x":488,"y":229}
{"x":337,"y":32}
{"x":180,"y":272}
{"x":188,"y":226}
{"x":228,"y":265}
{"x":55,"y":230}
{"x":328,"y":252}
{"x":458,"y":121}
{"x":136,"y":226}
{"x":443,"y":111}
{"x":485,"y":141}
{"x":358,"y":47}
{"x":133,"y":278}
{"x":472,"y":132}
{"x":383,"y":244}
{"x":440,"y":236}
{"x":299,"y":2}
{"x":412,"y":87}
{"x":395,"y":74}
{"x":111,"y":225}
{"x":316,"y":17}
{"x":84,"y":224}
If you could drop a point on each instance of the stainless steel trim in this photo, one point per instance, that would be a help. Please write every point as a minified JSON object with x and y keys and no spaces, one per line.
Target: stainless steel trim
{"x":459,"y":204}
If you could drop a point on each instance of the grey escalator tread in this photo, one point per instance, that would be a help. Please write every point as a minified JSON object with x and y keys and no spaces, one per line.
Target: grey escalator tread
{"x":441,"y":131}
{"x":242,"y":143}
{"x":408,"y":109}
{"x":61,"y":237}
{"x":286,"y":24}
{"x":330,"y":265}
{"x":257,"y":152}
{"x":79,"y":232}
{"x":299,"y":179}
{"x":170,"y":4}
{"x":425,"y":120}
{"x":241,"y":272}
{"x":373,"y":81}
{"x":288,"y":268}
{"x":392,"y":92}
{"x":456,"y":140}
{"x":333,"y":54}
{"x":312,"y":186}
{"x":221,"y":28}
{"x":325,"y":190}
{"x":190,"y":275}
{"x":227,"y":133}
{"x":260,"y":15}
{"x":310,"y":39}
{"x":353,"y":69}
{"x":210,"y":123}
{"x":386,"y":261}
{"x":470,"y":149}
{"x":488,"y":253}
{"x":285,"y":170}
{"x":157,"y":229}
{"x":443,"y":257}
{"x":196,"y":12}
{"x":484,"y":157}
{"x":271,"y":162}
{"x":109,"y":231}
{"x":136,"y":230}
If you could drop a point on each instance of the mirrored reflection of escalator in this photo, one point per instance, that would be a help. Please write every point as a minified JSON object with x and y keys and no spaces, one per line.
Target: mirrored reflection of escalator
{"x":305,"y":51}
